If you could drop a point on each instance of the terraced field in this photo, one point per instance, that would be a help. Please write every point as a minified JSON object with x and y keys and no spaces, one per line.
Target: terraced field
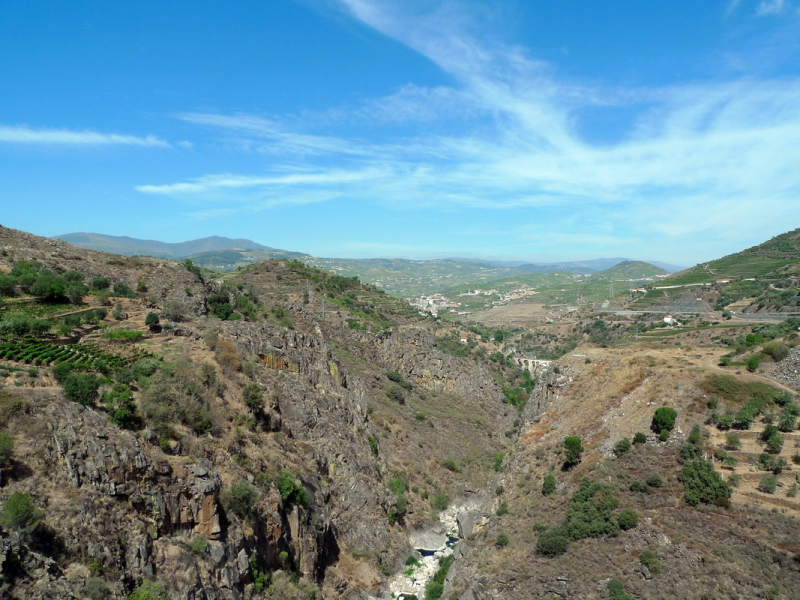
{"x":80,"y":356}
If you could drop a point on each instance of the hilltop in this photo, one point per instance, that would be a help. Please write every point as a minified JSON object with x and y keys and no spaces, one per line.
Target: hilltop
{"x":128,"y":246}
{"x":763,"y":278}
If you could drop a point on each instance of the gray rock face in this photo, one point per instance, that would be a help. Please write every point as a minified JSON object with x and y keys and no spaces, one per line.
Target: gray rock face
{"x":428,"y":540}
{"x":467,"y":521}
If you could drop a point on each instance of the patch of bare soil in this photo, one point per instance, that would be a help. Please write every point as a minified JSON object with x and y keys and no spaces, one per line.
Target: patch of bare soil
{"x":523,"y":314}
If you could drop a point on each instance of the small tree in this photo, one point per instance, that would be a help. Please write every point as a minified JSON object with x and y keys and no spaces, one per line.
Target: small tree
{"x":100,"y":283}
{"x":552,"y":542}
{"x":549,"y":485}
{"x":622,"y":446}
{"x":768,"y":484}
{"x":701,"y":483}
{"x":574,"y":449}
{"x":628,"y":519}
{"x":19,"y":512}
{"x":664,"y":418}
{"x":639,"y":438}
{"x":733,"y":441}
{"x":149,"y":590}
{"x":649,"y":559}
{"x":240,"y":498}
{"x":6,"y":448}
{"x":81,"y":388}
{"x":775,"y":443}
{"x":252,"y":396}
{"x":152,"y":320}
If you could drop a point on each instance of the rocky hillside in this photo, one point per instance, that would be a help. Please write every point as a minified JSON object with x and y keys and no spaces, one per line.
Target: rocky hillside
{"x":259,"y":449}
{"x":545,"y":539}
{"x":284,"y":432}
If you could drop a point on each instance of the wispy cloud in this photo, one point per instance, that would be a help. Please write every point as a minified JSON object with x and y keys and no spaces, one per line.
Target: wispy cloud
{"x":694,"y":154}
{"x":21,"y":134}
{"x":268,"y":135}
{"x":770,"y":7}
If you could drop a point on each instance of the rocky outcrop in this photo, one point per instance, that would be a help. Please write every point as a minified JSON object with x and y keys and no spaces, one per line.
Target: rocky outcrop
{"x":550,"y":385}
{"x":110,"y":503}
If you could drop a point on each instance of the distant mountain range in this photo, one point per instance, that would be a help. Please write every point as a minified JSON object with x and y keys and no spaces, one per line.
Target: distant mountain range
{"x":400,"y":277}
{"x":578,"y":266}
{"x":129,"y":246}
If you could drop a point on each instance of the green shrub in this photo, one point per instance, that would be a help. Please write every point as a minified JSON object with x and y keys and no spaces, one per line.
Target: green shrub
{"x":616,"y":591}
{"x":253,"y":398}
{"x":552,"y":542}
{"x":501,"y":541}
{"x":752,"y":363}
{"x":240,"y":498}
{"x":440,"y":500}
{"x":628,"y":519}
{"x":589,"y":513}
{"x":775,"y":443}
{"x":100,"y":283}
{"x":373,"y":444}
{"x":787,"y":421}
{"x":654,"y":480}
{"x":96,"y":588}
{"x":640,"y":486}
{"x":777,"y":350}
{"x":498,"y":461}
{"x":291,"y":489}
{"x":398,"y":379}
{"x":664,"y":435}
{"x":120,"y":405}
{"x":118,"y":313}
{"x":701,"y":483}
{"x":725,"y":421}
{"x":123,"y":289}
{"x":733,"y":441}
{"x":435,"y":587}
{"x":574,"y":449}
{"x":689,"y":452}
{"x":149,"y":590}
{"x":502,"y":509}
{"x":639,"y":438}
{"x":451,"y":465}
{"x":649,"y":559}
{"x":81,"y":388}
{"x":152,"y":320}
{"x":622,"y":446}
{"x":19,"y":512}
{"x":768,"y":483}
{"x":198,"y":545}
{"x":549,"y":485}
{"x":696,"y":435}
{"x":396,"y":394}
{"x":664,"y":419}
{"x":121,"y":334}
{"x":6,"y":447}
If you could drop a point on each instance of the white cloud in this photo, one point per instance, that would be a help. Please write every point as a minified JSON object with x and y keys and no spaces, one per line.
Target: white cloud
{"x":770,"y":7}
{"x":277,"y":140}
{"x":21,"y":134}
{"x":702,"y":153}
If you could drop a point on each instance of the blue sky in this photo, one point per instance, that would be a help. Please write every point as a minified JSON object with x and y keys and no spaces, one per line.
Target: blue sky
{"x":359,"y":128}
